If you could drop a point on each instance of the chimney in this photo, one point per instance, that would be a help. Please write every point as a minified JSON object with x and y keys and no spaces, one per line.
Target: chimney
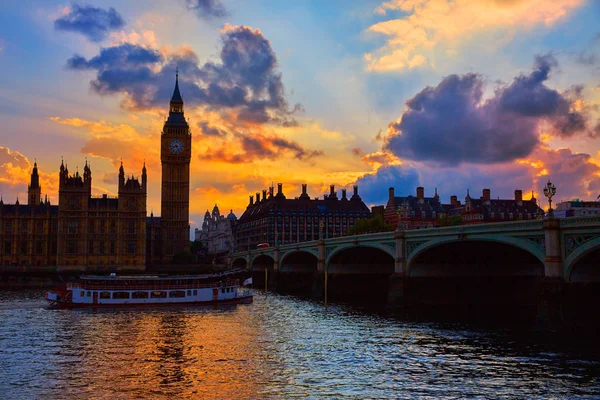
{"x":251,"y":200}
{"x":264,"y":197}
{"x":344,"y":194}
{"x":279,"y":188}
{"x":519,"y":195}
{"x":332,"y":193}
{"x":486,"y":195}
{"x":420,"y":193}
{"x":453,"y":201}
{"x":391,"y":193}
{"x":304,"y":188}
{"x":257,"y":197}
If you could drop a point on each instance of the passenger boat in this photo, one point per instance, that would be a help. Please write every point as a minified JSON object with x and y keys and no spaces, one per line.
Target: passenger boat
{"x":134,"y":290}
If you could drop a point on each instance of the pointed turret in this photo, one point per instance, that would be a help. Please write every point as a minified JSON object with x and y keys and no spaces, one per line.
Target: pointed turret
{"x":144,"y":177}
{"x":176,"y":117}
{"x":176,"y":98}
{"x":121,"y":177}
{"x":87,"y":172}
{"x":34,"y":191}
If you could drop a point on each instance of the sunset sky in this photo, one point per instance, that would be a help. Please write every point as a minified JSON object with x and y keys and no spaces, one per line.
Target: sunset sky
{"x":453,"y":94}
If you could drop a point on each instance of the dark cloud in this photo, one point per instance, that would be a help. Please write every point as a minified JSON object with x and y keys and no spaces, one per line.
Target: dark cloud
{"x":574,"y":175}
{"x":258,"y":146}
{"x":207,"y":9}
{"x":93,"y":23}
{"x":452,"y":124}
{"x":209,"y":130}
{"x":374,"y":187}
{"x":245,"y":78}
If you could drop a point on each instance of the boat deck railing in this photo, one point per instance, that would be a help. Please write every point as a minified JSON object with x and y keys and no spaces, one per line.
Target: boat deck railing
{"x":158,"y":285}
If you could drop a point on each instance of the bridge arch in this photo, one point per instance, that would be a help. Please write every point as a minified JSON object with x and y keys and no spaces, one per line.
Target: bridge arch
{"x":262,"y":261}
{"x":585,"y":256}
{"x":301,"y":260}
{"x":239,"y":262}
{"x":336,"y":251}
{"x":523,"y":244}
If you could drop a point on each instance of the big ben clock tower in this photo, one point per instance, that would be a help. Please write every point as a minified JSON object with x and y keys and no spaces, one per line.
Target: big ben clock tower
{"x":175,"y":155}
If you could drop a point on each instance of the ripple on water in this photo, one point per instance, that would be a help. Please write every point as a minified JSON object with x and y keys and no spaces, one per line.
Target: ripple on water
{"x":277,"y":347}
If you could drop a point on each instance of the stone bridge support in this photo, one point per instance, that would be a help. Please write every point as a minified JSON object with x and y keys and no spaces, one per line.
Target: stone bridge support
{"x":398,"y":280}
{"x":319,"y":279}
{"x":551,"y":301}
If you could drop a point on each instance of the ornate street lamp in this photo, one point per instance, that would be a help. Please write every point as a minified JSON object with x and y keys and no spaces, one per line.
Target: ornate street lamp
{"x":549,"y":191}
{"x":321,"y":227}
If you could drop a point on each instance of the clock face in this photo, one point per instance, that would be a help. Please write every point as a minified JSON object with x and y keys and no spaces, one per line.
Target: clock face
{"x":176,"y":146}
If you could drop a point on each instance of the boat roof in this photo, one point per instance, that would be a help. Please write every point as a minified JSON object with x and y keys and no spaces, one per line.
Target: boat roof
{"x":159,"y":277}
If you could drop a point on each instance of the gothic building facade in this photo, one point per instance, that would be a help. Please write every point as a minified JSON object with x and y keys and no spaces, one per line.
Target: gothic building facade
{"x":105,"y":233}
{"x":80,"y":233}
{"x":175,"y":156}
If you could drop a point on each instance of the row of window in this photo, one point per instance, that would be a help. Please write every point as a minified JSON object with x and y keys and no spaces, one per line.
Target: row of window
{"x":144,"y":295}
{"x":101,"y":247}
{"x":38,"y":247}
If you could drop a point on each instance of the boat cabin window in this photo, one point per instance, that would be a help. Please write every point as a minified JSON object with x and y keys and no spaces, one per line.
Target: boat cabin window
{"x":189,"y":292}
{"x":139,"y":295}
{"x":87,"y":294}
{"x":195,"y":292}
{"x":158,"y":295}
{"x":120,"y":295}
{"x":82,"y":293}
{"x":177,"y":293}
{"x":105,"y":295}
{"x":222,"y":290}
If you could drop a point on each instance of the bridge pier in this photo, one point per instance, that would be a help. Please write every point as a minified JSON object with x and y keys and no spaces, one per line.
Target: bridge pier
{"x":553,"y":263}
{"x":398,"y":280}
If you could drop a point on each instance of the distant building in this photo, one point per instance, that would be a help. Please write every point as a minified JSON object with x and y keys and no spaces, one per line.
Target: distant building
{"x":412,"y":212}
{"x":217,"y":233}
{"x":577,"y":208}
{"x":275,"y":219}
{"x":378,"y":211}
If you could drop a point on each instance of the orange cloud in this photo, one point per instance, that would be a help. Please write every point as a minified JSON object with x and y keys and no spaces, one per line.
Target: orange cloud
{"x":15,"y":175}
{"x":430,"y":23}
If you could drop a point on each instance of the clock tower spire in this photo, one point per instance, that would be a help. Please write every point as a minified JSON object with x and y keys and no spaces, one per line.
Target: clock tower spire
{"x":175,"y":156}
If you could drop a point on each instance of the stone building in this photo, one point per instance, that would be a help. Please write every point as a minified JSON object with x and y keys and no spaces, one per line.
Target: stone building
{"x":29,"y":232}
{"x":105,"y":233}
{"x":275,"y":219}
{"x":217,"y":233}
{"x":415,"y":212}
{"x":80,"y":233}
{"x":175,"y":157}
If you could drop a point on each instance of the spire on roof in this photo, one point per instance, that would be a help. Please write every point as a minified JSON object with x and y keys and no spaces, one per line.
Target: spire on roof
{"x":176,"y":98}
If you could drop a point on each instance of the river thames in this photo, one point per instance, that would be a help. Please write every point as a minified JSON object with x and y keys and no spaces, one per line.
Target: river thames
{"x":278,"y":347}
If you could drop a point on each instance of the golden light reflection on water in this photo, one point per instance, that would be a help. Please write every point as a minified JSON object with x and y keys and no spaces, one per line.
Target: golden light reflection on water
{"x":279,"y":347}
{"x":186,"y":353}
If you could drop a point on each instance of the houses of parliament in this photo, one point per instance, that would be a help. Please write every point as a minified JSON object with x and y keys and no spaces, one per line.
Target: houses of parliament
{"x":85,"y":233}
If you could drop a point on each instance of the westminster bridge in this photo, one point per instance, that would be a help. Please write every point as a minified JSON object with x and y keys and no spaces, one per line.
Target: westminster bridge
{"x":506,"y":262}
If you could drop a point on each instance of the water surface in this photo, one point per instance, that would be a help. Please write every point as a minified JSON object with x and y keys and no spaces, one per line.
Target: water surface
{"x":277,"y":347}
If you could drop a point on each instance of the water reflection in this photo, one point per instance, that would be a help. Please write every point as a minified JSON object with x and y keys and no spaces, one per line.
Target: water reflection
{"x":277,"y":347}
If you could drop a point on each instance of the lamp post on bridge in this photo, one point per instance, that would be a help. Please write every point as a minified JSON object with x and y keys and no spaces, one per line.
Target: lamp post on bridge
{"x":549,"y":191}
{"x":321,"y":228}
